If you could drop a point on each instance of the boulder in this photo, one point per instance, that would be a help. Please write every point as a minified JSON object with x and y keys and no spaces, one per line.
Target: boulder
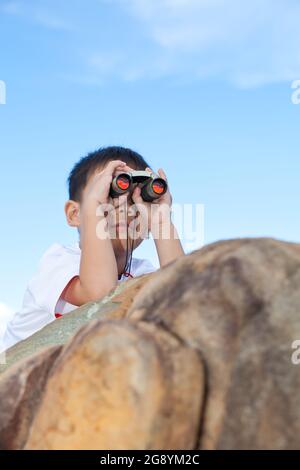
{"x":118,"y":385}
{"x":238,"y":303}
{"x":21,"y":390}
{"x":196,"y":355}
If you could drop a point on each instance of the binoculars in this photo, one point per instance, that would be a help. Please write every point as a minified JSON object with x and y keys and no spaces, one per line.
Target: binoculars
{"x":152,"y":186}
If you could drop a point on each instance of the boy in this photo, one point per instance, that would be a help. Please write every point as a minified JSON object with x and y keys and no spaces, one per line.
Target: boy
{"x":70,"y":276}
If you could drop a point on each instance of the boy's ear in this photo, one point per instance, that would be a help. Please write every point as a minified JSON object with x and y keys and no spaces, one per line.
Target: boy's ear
{"x":72,"y":211}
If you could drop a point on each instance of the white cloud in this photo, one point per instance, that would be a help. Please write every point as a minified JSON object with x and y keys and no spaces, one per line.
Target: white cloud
{"x":38,"y":14}
{"x":126,"y":67}
{"x":248,"y":43}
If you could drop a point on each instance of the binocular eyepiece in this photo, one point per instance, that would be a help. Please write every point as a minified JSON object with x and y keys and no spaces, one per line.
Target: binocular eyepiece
{"x":152,"y":187}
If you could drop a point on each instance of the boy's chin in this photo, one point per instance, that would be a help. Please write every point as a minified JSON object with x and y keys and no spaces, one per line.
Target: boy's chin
{"x":120,"y":244}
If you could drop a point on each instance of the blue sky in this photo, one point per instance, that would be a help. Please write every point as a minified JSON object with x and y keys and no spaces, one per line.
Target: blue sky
{"x":201,"y":88}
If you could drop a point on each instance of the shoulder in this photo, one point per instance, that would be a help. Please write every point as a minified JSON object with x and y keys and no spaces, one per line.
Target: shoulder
{"x":57,"y":250}
{"x":58,"y":265}
{"x":142,"y":266}
{"x":56,"y":260}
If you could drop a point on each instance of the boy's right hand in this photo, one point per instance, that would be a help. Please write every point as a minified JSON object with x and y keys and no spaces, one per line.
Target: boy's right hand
{"x":97,"y":190}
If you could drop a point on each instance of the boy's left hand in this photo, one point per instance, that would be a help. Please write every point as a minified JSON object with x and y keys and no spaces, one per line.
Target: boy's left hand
{"x":159,"y":210}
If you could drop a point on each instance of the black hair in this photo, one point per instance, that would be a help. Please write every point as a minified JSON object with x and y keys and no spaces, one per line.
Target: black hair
{"x":86,"y":166}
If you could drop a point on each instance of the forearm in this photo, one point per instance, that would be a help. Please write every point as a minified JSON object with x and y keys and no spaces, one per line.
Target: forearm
{"x":98,"y":268}
{"x":167,"y":243}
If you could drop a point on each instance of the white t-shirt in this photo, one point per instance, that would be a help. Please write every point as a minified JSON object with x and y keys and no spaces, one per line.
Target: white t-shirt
{"x":42,"y":303}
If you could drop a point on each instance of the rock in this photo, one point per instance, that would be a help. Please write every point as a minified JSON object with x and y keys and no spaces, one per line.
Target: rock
{"x":196,"y":355}
{"x":118,"y":385}
{"x":21,"y":389}
{"x":59,"y":331}
{"x":238,"y":303}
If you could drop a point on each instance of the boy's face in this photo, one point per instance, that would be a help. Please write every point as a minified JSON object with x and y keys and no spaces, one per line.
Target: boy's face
{"x":122,"y":220}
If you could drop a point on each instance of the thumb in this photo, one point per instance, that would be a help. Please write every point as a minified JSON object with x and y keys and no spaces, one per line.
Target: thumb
{"x":136,"y":196}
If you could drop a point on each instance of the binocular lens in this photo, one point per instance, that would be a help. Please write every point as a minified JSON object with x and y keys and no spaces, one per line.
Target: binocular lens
{"x":158,"y":187}
{"x":151,"y":188}
{"x":123,"y":182}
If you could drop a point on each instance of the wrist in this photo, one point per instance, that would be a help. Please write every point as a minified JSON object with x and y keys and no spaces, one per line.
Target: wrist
{"x":161,"y":222}
{"x":163,"y":230}
{"x":94,"y":222}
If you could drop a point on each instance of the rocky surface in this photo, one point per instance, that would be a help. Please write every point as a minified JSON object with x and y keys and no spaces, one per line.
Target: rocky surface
{"x":58,"y":332}
{"x":20,"y":394}
{"x":196,"y":355}
{"x":119,"y":385}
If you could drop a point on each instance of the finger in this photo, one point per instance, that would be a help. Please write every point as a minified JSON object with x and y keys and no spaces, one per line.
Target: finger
{"x":149,"y":169}
{"x":162,"y":174}
{"x":136,"y":196}
{"x":128,"y":168}
{"x":113,"y":165}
